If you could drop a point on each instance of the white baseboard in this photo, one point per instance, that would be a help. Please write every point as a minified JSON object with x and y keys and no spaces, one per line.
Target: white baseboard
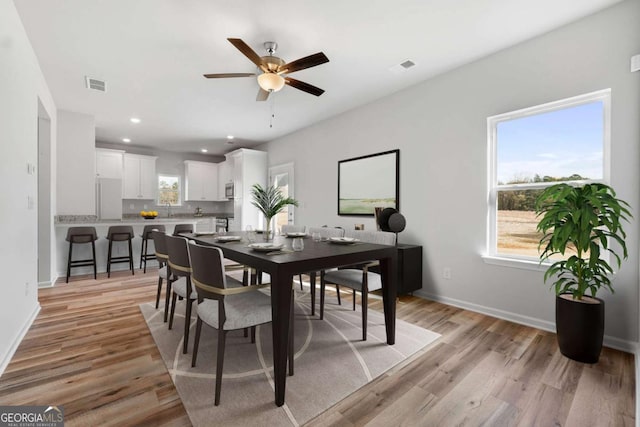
{"x":637,"y":356}
{"x":23,"y":331}
{"x":612,"y":342}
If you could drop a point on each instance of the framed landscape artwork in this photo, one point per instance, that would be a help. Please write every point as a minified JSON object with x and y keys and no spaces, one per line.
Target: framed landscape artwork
{"x":367,"y":182}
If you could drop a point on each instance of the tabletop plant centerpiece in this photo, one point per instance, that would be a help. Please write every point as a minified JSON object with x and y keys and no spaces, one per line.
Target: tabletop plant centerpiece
{"x":581,"y":221}
{"x":270,"y":201}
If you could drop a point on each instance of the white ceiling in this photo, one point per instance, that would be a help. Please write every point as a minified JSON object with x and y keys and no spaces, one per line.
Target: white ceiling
{"x":152,"y":54}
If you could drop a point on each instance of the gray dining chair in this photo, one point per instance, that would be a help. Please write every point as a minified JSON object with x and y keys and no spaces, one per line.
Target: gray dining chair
{"x":325,"y":233}
{"x":225,"y":305}
{"x":358,"y":278}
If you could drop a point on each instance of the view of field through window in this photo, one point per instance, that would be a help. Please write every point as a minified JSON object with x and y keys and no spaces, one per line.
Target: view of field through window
{"x":537,"y":151}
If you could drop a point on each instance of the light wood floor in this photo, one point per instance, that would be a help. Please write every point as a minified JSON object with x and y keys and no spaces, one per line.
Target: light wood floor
{"x":90,"y":351}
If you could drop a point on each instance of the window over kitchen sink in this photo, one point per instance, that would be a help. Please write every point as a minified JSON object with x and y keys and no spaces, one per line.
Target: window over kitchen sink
{"x":168,"y":190}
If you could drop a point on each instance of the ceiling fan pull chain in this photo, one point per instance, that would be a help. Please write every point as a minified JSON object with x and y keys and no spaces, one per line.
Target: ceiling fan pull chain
{"x":273,"y":112}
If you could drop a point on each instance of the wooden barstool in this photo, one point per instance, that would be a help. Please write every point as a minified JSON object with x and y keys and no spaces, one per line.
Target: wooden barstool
{"x":119,"y":233}
{"x":79,"y":235}
{"x":146,"y":236}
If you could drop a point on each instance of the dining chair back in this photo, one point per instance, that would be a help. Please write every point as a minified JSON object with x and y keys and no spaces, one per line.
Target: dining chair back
{"x":290,"y":228}
{"x":326,"y":232}
{"x":160,"y":247}
{"x":224,"y":304}
{"x":180,"y":281}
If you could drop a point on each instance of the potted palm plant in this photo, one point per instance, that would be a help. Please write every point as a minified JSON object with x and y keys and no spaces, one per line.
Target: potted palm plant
{"x":270,"y":201}
{"x":581,"y":222}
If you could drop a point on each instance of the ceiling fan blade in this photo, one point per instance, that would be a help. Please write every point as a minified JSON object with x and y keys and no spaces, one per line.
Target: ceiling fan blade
{"x":302,"y":63}
{"x":247,"y":51}
{"x":305,"y":87}
{"x":226,"y":75}
{"x":262,"y":95}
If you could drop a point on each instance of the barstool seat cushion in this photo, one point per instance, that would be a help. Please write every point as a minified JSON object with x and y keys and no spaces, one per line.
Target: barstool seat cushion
{"x":180,"y":288}
{"x":82,"y":234}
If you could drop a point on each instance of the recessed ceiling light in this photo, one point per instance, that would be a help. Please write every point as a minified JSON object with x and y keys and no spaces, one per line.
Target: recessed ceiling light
{"x":204,"y":150}
{"x":134,"y":120}
{"x":126,"y":140}
{"x":230,"y":136}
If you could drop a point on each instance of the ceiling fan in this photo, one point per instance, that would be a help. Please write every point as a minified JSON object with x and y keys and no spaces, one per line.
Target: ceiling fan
{"x":273,"y":68}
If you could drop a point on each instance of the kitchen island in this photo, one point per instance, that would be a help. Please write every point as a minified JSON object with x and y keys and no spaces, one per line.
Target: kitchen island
{"x":204,"y":223}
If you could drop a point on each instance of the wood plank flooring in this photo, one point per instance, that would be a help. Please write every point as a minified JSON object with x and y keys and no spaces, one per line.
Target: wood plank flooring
{"x":90,"y":351}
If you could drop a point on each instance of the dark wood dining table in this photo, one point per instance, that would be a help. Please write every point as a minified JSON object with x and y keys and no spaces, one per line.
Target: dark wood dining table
{"x":284,"y":266}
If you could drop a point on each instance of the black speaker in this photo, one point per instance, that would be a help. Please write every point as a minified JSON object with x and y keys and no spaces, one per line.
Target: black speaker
{"x":391,"y":220}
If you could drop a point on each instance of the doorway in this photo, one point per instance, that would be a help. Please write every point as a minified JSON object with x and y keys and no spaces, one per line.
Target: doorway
{"x":282,"y":177}
{"x":43,"y":171}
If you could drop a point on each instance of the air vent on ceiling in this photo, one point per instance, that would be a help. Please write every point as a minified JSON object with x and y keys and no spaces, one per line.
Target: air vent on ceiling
{"x":407,"y":64}
{"x":402,"y":67}
{"x":95,"y":84}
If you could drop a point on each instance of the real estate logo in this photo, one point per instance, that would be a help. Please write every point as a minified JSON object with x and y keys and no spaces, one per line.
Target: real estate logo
{"x":31,"y":416}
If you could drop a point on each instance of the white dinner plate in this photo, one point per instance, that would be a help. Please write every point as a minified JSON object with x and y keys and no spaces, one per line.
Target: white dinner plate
{"x":343,"y":240}
{"x":265,"y":247}
{"x":228,"y":238}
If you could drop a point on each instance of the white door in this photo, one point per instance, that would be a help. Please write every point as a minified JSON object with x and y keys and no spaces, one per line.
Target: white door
{"x":282,"y":177}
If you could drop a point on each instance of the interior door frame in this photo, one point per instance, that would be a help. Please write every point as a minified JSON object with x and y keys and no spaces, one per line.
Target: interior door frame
{"x":287,"y":168}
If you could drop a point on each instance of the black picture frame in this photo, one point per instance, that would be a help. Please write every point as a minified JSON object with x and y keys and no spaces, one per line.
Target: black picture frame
{"x":367,"y":182}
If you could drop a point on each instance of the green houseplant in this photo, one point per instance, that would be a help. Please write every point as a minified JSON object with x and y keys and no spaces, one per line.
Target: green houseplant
{"x":581,"y":221}
{"x":270,"y":201}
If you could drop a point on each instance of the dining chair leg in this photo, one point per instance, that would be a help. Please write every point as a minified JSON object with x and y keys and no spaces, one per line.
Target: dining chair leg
{"x":253,"y":335}
{"x":300,"y":278}
{"x":338,"y":292}
{"x":196,"y":342}
{"x":364,"y":314}
{"x":167,"y":296}
{"x":159,"y":292}
{"x":187,"y":323}
{"x":354,"y":300}
{"x":246,"y":332}
{"x":173,"y":309}
{"x":219,"y":364}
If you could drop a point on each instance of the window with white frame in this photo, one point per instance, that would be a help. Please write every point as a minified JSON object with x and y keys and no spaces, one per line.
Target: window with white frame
{"x":168,"y":190}
{"x":534,"y":148}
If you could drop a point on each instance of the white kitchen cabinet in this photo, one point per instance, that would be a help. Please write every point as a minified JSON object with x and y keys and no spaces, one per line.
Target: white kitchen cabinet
{"x":225,"y":176}
{"x":139,"y":177}
{"x":249,"y":168}
{"x":201,"y":181}
{"x":109,"y":163}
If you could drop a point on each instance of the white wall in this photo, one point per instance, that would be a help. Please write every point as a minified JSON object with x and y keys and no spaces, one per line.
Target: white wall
{"x":21,"y":85}
{"x":76,"y":164}
{"x":440,"y":128}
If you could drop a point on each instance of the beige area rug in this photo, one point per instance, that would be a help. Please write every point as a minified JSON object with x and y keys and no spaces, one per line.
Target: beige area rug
{"x":331,"y":362}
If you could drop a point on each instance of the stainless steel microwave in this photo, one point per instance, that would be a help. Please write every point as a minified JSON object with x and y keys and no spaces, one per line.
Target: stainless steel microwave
{"x":228,"y":190}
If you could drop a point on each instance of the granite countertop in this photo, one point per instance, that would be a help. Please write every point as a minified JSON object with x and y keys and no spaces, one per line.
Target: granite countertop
{"x":134,"y":219}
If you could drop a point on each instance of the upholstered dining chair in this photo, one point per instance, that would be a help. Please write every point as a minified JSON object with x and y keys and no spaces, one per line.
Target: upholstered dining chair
{"x":324,"y":233}
{"x":164,"y":272}
{"x":180,"y":282}
{"x":290,"y":228}
{"x":358,"y":278}
{"x":224,"y":304}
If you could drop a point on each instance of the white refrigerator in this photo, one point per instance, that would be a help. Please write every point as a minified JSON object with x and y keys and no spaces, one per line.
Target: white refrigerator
{"x":109,"y":198}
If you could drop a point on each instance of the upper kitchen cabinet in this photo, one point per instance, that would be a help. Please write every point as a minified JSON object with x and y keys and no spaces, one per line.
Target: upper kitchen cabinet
{"x":225,"y":176}
{"x":201,"y":181}
{"x":139,"y":177}
{"x":109,"y":163}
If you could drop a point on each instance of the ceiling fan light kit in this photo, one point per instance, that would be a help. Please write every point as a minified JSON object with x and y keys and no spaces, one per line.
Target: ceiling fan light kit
{"x":271,"y":82}
{"x":271,"y":79}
